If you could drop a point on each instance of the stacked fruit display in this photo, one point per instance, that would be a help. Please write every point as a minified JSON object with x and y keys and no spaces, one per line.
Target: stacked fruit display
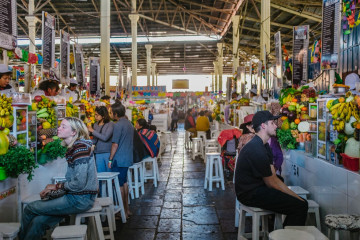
{"x":89,"y":112}
{"x":135,"y":115}
{"x":345,"y":113}
{"x":45,"y":112}
{"x":6,"y":112}
{"x":218,"y":115}
{"x":21,"y":120}
{"x":241,"y":102}
{"x":72,"y":110}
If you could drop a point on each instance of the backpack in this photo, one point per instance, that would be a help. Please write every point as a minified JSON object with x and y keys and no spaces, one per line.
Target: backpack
{"x":230,"y":147}
{"x":139,"y":150}
{"x":151,"y":141}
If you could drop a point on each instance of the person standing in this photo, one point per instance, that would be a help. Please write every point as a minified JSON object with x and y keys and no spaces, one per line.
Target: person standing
{"x":70,"y":92}
{"x":47,"y":88}
{"x":256,"y":183}
{"x":121,"y":155}
{"x":102,"y":138}
{"x":5,"y":77}
{"x":190,"y":123}
{"x":81,"y":184}
{"x":174,"y":119}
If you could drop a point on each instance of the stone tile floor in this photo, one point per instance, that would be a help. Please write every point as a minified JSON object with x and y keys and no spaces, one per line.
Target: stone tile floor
{"x":180,"y":207}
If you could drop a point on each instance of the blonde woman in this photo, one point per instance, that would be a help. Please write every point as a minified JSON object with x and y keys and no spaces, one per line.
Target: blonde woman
{"x":81,"y":184}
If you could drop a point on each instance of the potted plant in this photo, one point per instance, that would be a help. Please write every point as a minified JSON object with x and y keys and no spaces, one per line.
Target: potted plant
{"x":18,"y":160}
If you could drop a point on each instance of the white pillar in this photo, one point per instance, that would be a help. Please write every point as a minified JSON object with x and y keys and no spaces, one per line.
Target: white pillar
{"x":148,"y":62}
{"x":236,"y":36}
{"x":220,"y":64}
{"x":105,"y":45}
{"x":216,"y":76}
{"x":264,"y":32}
{"x":153,"y":68}
{"x":157,"y":75}
{"x":134,"y":18}
{"x":212,"y":82}
{"x":32,"y":20}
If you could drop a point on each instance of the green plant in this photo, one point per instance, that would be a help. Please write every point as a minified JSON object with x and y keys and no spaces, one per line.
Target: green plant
{"x":286,"y":139}
{"x":18,"y":160}
{"x":55,"y":149}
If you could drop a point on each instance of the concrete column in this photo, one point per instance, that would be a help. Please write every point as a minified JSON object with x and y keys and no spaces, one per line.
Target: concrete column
{"x":236,"y":37}
{"x":264,"y":32}
{"x":148,"y":62}
{"x":216,"y":76}
{"x":105,"y":45}
{"x":157,"y":75}
{"x":32,"y":20}
{"x":134,"y":18}
{"x":220,"y":47}
{"x":212,"y":82}
{"x":153,"y":69}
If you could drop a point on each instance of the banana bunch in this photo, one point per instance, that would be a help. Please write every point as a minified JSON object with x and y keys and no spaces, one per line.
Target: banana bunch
{"x":72,"y":111}
{"x":339,"y":125}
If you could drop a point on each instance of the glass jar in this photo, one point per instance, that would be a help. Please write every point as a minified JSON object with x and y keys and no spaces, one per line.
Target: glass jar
{"x":313,"y":112}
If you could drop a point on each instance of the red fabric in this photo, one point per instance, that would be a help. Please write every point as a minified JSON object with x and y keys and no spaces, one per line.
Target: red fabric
{"x":32,"y":58}
{"x":228,"y":134}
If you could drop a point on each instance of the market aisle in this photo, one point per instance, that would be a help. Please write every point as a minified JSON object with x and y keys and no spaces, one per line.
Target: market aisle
{"x":180,"y":208}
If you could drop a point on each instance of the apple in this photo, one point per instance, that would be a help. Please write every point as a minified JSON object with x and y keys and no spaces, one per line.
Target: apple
{"x":37,"y":98}
{"x":39,"y":128}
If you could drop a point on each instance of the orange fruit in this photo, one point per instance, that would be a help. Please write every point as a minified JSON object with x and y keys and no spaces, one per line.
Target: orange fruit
{"x":297,"y":121}
{"x":294,"y":100}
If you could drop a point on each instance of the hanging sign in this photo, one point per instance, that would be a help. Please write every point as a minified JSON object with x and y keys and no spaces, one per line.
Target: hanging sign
{"x":8,"y":28}
{"x":330,"y":33}
{"x":64,"y":56}
{"x":121,"y":75}
{"x":300,"y":54}
{"x":94,"y":75}
{"x":243,"y":79}
{"x":79,"y":64}
{"x":48,"y":42}
{"x":228,"y":88}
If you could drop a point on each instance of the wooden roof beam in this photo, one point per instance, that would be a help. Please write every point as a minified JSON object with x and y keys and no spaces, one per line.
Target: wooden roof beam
{"x":228,"y":11}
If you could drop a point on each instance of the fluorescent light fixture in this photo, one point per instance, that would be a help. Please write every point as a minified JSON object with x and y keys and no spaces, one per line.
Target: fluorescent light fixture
{"x":140,"y":39}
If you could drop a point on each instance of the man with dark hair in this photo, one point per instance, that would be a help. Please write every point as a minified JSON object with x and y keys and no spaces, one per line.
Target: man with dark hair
{"x":121,"y":156}
{"x":256,"y":183}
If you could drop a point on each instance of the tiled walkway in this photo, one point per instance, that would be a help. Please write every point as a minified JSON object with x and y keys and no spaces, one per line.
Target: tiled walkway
{"x":180,"y":208}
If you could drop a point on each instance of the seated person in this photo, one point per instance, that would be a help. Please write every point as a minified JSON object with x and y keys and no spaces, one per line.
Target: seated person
{"x":256,"y":183}
{"x":203,"y":124}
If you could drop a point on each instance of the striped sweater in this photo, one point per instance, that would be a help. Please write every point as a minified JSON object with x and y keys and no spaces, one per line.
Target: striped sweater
{"x":81,"y":176}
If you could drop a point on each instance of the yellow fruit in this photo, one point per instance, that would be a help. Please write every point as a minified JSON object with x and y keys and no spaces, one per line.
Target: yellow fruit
{"x":46,"y":125}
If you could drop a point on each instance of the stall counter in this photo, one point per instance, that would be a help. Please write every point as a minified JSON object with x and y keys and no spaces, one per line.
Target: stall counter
{"x":335,"y":189}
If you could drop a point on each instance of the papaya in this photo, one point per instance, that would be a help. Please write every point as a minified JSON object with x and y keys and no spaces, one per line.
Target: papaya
{"x":4,"y":143}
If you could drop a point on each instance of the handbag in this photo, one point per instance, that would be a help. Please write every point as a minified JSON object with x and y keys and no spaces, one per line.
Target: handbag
{"x":53,"y":194}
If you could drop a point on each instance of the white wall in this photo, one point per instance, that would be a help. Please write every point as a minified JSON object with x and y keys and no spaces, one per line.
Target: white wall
{"x":334,"y":188}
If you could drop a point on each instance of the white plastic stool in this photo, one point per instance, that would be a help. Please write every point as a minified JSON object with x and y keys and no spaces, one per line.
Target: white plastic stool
{"x":314,"y":208}
{"x":94,"y":212}
{"x":211,"y":149}
{"x":9,"y":231}
{"x":197,"y":148}
{"x":74,"y":232}
{"x":107,"y":205}
{"x":154,"y":173}
{"x":215,"y":134}
{"x":257,"y":215}
{"x":138,"y":181}
{"x":214,"y":159}
{"x":202,"y":135}
{"x":211,"y":143}
{"x":106,"y":179}
{"x":310,"y":229}
{"x":187,"y":139}
{"x":290,"y":234}
{"x":168,"y":138}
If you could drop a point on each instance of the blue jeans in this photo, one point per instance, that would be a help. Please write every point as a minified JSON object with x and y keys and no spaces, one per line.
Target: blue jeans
{"x":42,"y":215}
{"x":102,"y":160}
